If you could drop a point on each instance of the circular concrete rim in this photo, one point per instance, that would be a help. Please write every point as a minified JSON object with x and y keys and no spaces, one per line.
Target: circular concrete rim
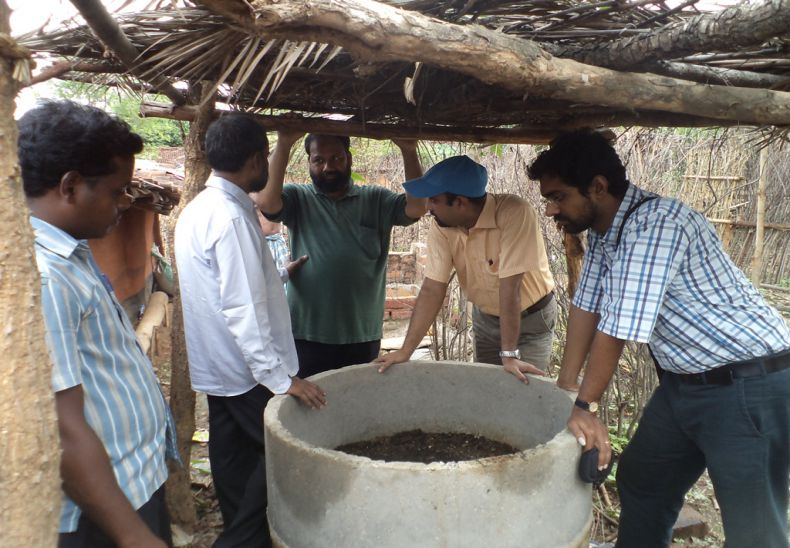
{"x":273,"y":423}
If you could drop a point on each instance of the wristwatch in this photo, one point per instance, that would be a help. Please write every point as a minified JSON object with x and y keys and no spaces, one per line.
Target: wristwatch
{"x":592,"y":406}
{"x":510,"y":354}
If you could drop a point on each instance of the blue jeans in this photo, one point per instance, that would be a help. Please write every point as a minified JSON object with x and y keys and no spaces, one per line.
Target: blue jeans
{"x":739,"y":432}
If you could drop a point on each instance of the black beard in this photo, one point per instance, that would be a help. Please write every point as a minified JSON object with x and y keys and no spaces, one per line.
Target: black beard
{"x":335,"y":183}
{"x":260,"y":184}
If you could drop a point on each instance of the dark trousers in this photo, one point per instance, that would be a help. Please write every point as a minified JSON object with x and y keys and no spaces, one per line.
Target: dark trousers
{"x":238,"y":468}
{"x":317,"y":357}
{"x":89,"y":535}
{"x":740,"y":432}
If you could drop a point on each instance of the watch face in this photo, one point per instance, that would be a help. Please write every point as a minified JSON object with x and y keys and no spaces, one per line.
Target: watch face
{"x":593,"y":407}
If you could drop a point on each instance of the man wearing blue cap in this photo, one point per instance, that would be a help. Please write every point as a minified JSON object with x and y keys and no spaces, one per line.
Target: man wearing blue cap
{"x":494,"y":243}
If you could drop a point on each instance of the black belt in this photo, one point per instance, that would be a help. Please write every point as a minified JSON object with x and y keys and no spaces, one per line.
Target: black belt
{"x":540,"y":304}
{"x":738,"y":370}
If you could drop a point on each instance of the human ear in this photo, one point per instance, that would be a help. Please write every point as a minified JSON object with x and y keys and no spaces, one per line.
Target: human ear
{"x":69,"y":181}
{"x":599,"y":186}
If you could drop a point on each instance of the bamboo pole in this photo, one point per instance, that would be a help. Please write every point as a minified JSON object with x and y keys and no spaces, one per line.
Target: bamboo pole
{"x":746,"y":224}
{"x":757,"y":260}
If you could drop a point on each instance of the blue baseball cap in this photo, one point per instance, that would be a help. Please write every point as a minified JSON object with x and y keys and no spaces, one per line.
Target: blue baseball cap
{"x":458,"y":175}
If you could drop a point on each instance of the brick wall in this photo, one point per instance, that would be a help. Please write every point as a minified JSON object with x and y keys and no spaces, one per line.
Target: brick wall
{"x":405,"y":271}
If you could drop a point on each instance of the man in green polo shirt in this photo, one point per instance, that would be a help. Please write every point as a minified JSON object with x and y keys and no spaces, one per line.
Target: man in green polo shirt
{"x":337,"y":298}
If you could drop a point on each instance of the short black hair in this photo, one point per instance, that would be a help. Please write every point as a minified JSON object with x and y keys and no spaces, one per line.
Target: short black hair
{"x":232,"y":139}
{"x":56,"y":137}
{"x":345,"y":140}
{"x":577,"y":157}
{"x":450,"y":197}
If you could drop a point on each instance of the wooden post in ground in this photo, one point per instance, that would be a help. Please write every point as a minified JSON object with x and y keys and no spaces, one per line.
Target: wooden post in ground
{"x":574,"y":257}
{"x":30,"y":492}
{"x":182,"y":398}
{"x":757,"y":260}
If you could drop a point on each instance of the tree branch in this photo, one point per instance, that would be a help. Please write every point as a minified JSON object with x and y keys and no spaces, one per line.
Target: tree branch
{"x":728,"y":30}
{"x":515,"y":135}
{"x":371,"y":30}
{"x":108,"y":31}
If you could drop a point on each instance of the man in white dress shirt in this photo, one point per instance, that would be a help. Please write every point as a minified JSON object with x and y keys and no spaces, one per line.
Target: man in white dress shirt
{"x":237,"y":325}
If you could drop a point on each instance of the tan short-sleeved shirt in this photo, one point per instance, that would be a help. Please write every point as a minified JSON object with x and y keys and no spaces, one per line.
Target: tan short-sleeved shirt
{"x":505,"y":241}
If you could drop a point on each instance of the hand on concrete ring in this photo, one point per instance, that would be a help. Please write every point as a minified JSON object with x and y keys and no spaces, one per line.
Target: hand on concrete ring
{"x":307,"y":393}
{"x":517,"y":368}
{"x":385,"y":361}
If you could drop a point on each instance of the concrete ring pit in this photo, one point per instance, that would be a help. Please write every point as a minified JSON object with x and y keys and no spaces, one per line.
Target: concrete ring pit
{"x":320,"y":498}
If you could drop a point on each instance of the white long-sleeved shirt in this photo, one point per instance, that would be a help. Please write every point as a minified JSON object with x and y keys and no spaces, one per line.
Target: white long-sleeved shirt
{"x":236,"y":319}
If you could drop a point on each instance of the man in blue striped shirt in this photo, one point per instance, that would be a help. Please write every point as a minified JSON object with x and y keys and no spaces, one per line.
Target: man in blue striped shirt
{"x":77,"y":164}
{"x":655,"y":272}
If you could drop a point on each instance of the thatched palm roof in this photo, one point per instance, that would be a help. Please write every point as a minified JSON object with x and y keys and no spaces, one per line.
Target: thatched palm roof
{"x":461,"y":67}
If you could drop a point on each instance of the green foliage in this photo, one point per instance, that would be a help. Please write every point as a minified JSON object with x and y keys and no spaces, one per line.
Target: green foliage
{"x":156,"y":132}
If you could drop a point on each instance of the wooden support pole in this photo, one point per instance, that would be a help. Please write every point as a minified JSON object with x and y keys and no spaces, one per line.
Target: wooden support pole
{"x":574,"y":257}
{"x":757,"y":260}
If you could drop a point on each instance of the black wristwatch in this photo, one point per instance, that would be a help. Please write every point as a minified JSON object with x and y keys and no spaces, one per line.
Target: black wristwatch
{"x":592,"y":407}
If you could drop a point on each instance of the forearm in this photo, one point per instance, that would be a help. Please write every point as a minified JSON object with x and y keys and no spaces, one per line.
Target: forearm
{"x":269,"y":200}
{"x":411,"y":162}
{"x":509,"y":311}
{"x":429,"y":301}
{"x":88,"y":478}
{"x":604,"y":357}
{"x":579,"y":336}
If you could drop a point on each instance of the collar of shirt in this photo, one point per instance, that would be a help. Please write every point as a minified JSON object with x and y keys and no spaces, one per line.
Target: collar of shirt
{"x":353,"y":190}
{"x":233,"y":190}
{"x":55,"y":239}
{"x":632,"y":195}
{"x":487,"y":218}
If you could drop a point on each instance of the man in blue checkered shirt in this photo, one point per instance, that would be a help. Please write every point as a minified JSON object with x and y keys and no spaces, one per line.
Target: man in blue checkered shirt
{"x":655,"y":272}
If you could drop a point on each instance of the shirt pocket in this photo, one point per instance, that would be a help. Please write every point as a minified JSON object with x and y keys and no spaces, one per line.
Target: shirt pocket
{"x":369,"y":241}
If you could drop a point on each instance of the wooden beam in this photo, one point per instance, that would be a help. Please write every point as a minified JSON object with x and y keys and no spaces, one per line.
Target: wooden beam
{"x":375,"y":31}
{"x":745,"y":224}
{"x":372,"y":131}
{"x":733,"y":28}
{"x":108,"y":31}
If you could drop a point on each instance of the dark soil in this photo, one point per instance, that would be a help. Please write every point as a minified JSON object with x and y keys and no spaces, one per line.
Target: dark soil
{"x":425,"y":447}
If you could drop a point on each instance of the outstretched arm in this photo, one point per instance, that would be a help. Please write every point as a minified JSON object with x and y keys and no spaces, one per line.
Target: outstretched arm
{"x":580,"y":333}
{"x":429,"y":301}
{"x":510,"y":324}
{"x":415,"y":207}
{"x":270,"y":199}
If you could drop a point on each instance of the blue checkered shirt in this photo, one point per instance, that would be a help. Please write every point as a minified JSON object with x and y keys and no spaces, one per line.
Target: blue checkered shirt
{"x":670,"y":283}
{"x":92,"y":344}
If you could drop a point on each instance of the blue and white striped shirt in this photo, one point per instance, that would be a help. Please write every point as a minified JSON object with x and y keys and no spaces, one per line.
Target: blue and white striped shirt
{"x":92,"y":343}
{"x":670,"y":283}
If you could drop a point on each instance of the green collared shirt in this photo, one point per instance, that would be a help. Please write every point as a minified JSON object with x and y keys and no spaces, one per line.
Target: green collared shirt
{"x":337,"y":297}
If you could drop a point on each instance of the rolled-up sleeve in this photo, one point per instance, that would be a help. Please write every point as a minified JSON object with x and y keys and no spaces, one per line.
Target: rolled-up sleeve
{"x":246,"y":307}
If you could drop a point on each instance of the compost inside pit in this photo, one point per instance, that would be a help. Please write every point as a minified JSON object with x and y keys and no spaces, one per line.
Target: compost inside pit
{"x":427,"y":447}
